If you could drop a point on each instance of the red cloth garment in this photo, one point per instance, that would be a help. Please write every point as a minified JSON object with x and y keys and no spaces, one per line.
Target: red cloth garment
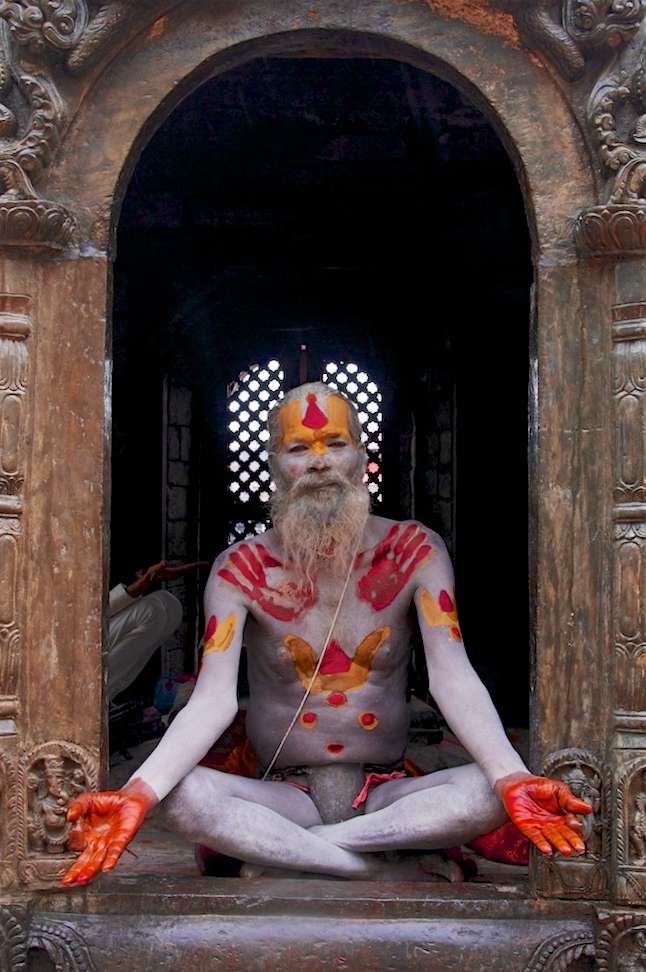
{"x":371,"y":781}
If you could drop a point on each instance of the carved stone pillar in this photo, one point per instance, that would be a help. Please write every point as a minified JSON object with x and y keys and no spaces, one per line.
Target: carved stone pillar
{"x":617,"y":232}
{"x":15,"y":336}
{"x":629,"y":739}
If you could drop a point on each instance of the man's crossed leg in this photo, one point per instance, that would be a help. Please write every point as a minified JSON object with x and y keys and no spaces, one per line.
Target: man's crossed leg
{"x":277,"y":825}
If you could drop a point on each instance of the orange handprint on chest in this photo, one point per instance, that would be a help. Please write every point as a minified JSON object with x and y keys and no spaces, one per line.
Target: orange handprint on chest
{"x":338,"y":673}
{"x":246,"y":567}
{"x":393,"y":563}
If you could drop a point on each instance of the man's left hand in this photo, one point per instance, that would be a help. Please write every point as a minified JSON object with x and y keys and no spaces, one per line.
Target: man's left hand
{"x":543,"y":810}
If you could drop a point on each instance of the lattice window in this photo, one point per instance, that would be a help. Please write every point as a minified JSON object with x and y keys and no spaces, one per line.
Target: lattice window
{"x":364,"y":393}
{"x":249,"y":399}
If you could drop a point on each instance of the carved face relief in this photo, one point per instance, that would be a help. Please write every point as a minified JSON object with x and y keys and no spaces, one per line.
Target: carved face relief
{"x":246,"y":569}
{"x":338,"y":673}
{"x":441,"y":613}
{"x":392,"y":564}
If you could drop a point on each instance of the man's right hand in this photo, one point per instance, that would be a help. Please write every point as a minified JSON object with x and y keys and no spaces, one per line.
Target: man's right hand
{"x":104,"y":824}
{"x":161,"y":572}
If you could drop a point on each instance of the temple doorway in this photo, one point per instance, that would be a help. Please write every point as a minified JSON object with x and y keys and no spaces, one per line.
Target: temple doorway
{"x":357,"y":221}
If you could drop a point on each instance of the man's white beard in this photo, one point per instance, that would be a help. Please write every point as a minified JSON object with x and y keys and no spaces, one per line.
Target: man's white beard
{"x":320,"y":523}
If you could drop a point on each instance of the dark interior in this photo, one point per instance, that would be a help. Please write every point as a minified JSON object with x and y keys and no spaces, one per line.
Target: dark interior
{"x":306,"y":211}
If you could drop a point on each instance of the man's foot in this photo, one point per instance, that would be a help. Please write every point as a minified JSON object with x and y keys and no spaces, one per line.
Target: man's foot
{"x":418,"y":867}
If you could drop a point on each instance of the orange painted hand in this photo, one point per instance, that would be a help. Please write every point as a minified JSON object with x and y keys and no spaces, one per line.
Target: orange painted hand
{"x":104,"y":824}
{"x":543,"y":810}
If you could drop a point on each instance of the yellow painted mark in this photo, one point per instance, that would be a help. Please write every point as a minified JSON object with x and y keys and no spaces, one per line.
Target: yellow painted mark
{"x":222,"y":637}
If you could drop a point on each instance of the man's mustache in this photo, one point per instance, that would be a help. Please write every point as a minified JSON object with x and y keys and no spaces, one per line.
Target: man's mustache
{"x":312,"y":481}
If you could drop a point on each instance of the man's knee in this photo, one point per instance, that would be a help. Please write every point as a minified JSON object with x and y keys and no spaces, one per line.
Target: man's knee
{"x":167,"y":611}
{"x":200,"y":789}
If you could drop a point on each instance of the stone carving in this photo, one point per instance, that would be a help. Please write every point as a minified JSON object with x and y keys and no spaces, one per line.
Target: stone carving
{"x":616,"y":116}
{"x":584,"y":876}
{"x":37,"y":23}
{"x":558,"y":953}
{"x":630,"y":834}
{"x":54,"y":778}
{"x":584,"y":26}
{"x":62,"y":943}
{"x":15,"y":328}
{"x":66,"y":26}
{"x":612,"y":230}
{"x":637,"y":827}
{"x":10,"y":810}
{"x":621,"y":942}
{"x":13,"y":940}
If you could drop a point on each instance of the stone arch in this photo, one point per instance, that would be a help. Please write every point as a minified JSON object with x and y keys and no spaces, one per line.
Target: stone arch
{"x":179,"y":50}
{"x":113,"y":107}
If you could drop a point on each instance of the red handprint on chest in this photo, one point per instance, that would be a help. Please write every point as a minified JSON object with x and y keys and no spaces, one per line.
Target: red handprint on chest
{"x":246,"y":567}
{"x":393,"y":563}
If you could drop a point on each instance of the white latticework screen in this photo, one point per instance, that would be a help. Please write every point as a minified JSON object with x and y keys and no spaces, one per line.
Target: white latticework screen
{"x":249,"y":399}
{"x":365,"y":395}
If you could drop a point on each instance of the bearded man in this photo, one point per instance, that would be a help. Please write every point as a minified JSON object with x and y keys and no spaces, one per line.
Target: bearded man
{"x":328,"y":580}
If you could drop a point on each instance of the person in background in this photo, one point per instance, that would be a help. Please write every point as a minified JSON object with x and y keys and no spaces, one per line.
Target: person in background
{"x":140,"y":621}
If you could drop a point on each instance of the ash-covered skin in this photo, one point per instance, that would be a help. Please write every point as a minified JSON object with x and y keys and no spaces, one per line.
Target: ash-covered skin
{"x":280,"y":591}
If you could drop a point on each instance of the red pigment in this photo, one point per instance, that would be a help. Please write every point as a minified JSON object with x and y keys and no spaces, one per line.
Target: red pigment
{"x":446,"y":602}
{"x":456,"y":633}
{"x":308,"y":718}
{"x":314,"y":417}
{"x":211,"y":628}
{"x":336,"y":699}
{"x":335,"y":749}
{"x":335,"y":662}
{"x":368,"y":719}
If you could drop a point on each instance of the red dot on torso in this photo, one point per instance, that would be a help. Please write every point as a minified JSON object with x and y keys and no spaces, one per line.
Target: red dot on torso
{"x":335,"y":749}
{"x":308,"y":718}
{"x":336,"y":699}
{"x":368,"y":719}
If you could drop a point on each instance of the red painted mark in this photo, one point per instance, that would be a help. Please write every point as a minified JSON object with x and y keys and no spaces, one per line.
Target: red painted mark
{"x":446,"y":602}
{"x":335,"y":749}
{"x":368,"y":719}
{"x":314,"y":417}
{"x":245,"y":569}
{"x":393,"y":563}
{"x":309,"y":719}
{"x":210,"y":628}
{"x":335,"y":661}
{"x":336,"y":699}
{"x":457,"y":634}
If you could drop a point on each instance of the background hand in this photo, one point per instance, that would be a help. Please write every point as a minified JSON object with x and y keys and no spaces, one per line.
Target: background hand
{"x":161,"y":572}
{"x":104,"y":824}
{"x":543,"y":810}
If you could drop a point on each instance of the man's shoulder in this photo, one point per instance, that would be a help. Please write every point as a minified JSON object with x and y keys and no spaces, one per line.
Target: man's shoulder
{"x":257,"y":544}
{"x":383,"y":528}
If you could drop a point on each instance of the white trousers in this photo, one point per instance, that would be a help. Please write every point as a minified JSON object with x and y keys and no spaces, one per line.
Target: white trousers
{"x":135,"y":633}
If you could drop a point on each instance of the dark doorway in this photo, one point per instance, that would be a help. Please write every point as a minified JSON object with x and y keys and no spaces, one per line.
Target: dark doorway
{"x":310,"y":212}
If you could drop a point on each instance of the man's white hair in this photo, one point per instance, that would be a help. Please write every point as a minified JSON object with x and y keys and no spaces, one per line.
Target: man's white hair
{"x":300,"y":393}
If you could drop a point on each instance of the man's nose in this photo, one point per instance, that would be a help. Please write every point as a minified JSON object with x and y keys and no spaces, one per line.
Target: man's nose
{"x":319,"y":461}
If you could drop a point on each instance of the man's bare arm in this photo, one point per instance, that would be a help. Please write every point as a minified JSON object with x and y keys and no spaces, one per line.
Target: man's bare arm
{"x":104,"y":823}
{"x":543,"y":810}
{"x":465,"y":702}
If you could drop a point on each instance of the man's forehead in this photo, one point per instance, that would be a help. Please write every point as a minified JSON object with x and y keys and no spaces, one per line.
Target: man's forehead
{"x":315,"y":412}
